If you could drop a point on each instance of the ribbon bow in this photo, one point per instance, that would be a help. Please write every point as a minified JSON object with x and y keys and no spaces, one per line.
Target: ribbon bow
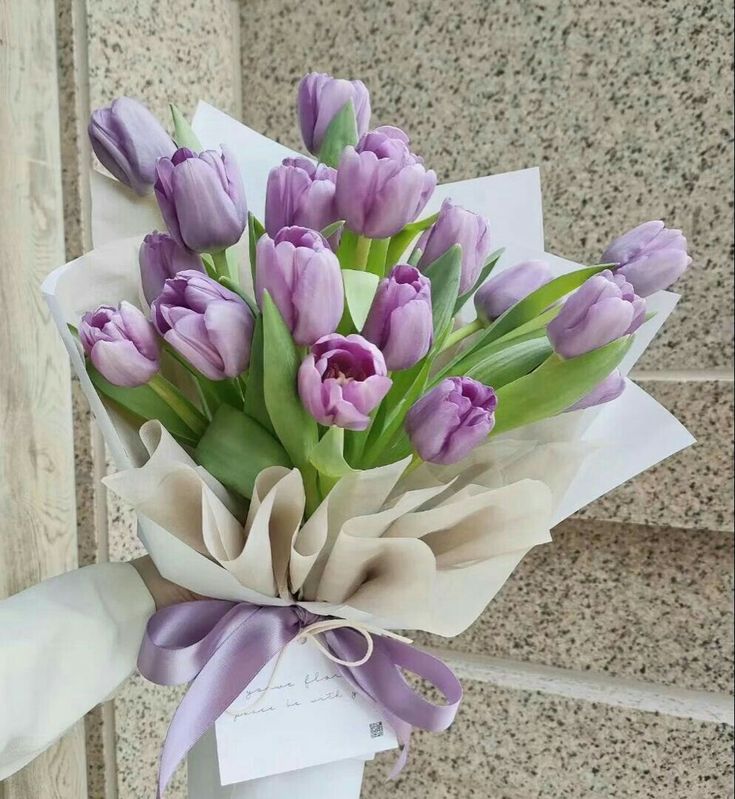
{"x":220,"y":646}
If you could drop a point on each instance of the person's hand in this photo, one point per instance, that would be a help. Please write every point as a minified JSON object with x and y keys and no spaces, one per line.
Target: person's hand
{"x":163,"y":591}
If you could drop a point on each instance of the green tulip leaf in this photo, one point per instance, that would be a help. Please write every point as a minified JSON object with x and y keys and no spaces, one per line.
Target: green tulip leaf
{"x":144,"y":403}
{"x":335,"y":227}
{"x":360,"y":290}
{"x":235,"y":449}
{"x":512,"y":362}
{"x":327,"y":456}
{"x":254,"y":404}
{"x":555,"y":386}
{"x":377,"y":256}
{"x":445,"y":274}
{"x":402,"y":240}
{"x":537,"y":302}
{"x":464,"y":360}
{"x":407,"y":387}
{"x":341,"y":133}
{"x":347,"y":248}
{"x":293,"y":425}
{"x":184,"y":136}
{"x":255,"y":231}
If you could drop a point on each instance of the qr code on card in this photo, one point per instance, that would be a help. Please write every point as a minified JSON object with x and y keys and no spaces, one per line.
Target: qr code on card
{"x":376,"y":729}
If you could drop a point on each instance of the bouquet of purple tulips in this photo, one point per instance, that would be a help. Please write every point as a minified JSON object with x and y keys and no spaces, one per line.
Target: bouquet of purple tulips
{"x":357,"y":415}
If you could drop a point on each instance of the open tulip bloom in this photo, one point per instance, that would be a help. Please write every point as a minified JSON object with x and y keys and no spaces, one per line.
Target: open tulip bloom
{"x":314,"y":427}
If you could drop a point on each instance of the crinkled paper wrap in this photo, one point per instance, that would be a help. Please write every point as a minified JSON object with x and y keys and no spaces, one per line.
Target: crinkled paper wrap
{"x":425,"y":553}
{"x":426,"y":557}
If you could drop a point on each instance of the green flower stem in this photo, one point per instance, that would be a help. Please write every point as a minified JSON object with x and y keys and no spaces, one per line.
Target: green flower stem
{"x":415,"y":256}
{"x":310,"y":477}
{"x":185,"y":410}
{"x":201,"y":382}
{"x":461,"y":333}
{"x":415,"y":463}
{"x":362,"y":252}
{"x":377,"y":256}
{"x":346,"y":249}
{"x":221,"y":267}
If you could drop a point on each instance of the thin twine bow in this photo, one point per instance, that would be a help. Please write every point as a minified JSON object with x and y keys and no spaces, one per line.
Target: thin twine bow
{"x":220,"y":647}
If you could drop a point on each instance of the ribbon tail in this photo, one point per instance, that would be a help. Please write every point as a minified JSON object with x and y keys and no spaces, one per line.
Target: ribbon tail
{"x":234,"y":664}
{"x":381,"y":679}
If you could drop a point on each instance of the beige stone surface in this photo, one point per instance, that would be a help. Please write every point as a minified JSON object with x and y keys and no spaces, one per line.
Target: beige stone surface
{"x":625,"y":107}
{"x":142,"y":715}
{"x":520,"y":745}
{"x":163,"y":51}
{"x":695,"y":487}
{"x":651,"y":603}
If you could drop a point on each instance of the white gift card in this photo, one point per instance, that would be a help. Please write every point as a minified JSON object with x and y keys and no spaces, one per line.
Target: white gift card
{"x":298,"y":712}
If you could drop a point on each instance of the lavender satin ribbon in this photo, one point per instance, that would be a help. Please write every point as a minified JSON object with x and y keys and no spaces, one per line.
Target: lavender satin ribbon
{"x":219,"y":647}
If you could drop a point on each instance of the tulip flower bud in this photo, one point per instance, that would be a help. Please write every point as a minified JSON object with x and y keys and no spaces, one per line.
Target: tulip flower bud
{"x":128,"y":140}
{"x":603,"y":309}
{"x":449,"y":421}
{"x":342,"y":379}
{"x":300,"y":192}
{"x":121,"y":343}
{"x":160,"y":257}
{"x":509,"y":287}
{"x":399,"y":321}
{"x":206,"y":323}
{"x":321,"y":97}
{"x":650,"y":256}
{"x":202,"y":199}
{"x":455,"y":225}
{"x":381,"y":184}
{"x":606,"y":391}
{"x":303,"y":277}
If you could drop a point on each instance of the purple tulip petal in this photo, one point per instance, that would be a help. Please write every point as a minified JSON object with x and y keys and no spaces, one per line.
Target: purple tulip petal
{"x":227,"y":323}
{"x":512,"y":285}
{"x":651,"y":257}
{"x":606,"y":391}
{"x":122,"y":364}
{"x":128,"y":140}
{"x":632,"y":243}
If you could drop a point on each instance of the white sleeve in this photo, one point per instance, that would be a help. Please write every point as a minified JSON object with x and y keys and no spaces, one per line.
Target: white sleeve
{"x":65,"y":645}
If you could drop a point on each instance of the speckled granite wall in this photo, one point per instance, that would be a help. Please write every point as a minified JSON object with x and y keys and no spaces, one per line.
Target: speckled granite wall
{"x":627,"y":109}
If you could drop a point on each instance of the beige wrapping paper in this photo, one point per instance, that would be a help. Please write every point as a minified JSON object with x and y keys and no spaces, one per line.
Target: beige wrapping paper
{"x":382,"y":551}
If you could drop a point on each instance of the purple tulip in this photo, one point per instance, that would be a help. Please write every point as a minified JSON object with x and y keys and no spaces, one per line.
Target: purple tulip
{"x":321,"y":97}
{"x":651,"y":257}
{"x":160,"y":257}
{"x":128,"y":140}
{"x":300,"y":193}
{"x":342,"y":379}
{"x":206,"y":323}
{"x":381,"y":184}
{"x":202,"y":199}
{"x":606,"y":391}
{"x":509,"y":287}
{"x":449,"y":421}
{"x":455,"y":225}
{"x":303,"y":277}
{"x":400,"y":320}
{"x":603,"y":309}
{"x":121,"y":343}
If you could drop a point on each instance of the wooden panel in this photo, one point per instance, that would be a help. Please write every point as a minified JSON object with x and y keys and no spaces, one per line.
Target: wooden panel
{"x":36,"y":465}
